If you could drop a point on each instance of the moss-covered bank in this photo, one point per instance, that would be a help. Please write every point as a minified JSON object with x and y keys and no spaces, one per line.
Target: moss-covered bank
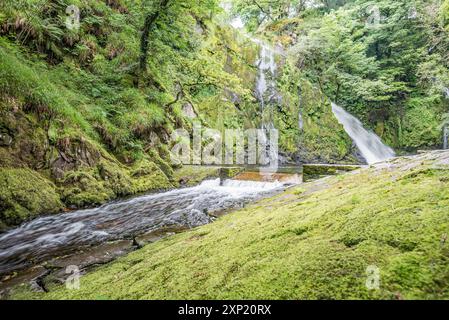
{"x":314,"y":242}
{"x":24,"y":194}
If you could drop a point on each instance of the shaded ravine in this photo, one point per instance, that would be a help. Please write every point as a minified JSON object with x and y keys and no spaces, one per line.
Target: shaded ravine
{"x":52,"y":236}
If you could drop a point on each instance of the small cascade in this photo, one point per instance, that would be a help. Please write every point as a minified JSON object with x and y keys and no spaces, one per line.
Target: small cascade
{"x":251,"y":186}
{"x":369,"y":144}
{"x":266,"y":86}
{"x":56,"y":235}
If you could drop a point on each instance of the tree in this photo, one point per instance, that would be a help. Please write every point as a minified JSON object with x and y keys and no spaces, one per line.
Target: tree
{"x":150,"y":19}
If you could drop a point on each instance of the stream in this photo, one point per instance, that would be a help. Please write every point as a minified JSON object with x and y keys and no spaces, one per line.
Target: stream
{"x":51,"y":236}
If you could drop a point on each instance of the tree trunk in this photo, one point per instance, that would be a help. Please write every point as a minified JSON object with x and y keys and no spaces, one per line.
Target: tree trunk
{"x":149,"y":21}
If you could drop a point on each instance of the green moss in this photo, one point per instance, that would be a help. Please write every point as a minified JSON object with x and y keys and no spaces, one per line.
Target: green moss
{"x":162,"y":164}
{"x":108,"y":180}
{"x":323,"y":139}
{"x":24,"y":194}
{"x":316,"y":171}
{"x":190,"y":176}
{"x":314,"y":242}
{"x":231,"y":172}
{"x":116,"y":178}
{"x":147,"y":176}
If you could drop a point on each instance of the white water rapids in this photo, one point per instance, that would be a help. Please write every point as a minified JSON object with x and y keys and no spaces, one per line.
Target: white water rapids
{"x":369,"y":144}
{"x":46,"y":237}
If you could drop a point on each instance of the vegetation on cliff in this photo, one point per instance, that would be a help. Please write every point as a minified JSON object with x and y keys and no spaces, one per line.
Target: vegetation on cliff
{"x":384,"y":61}
{"x":88,"y":108}
{"x":80,"y":108}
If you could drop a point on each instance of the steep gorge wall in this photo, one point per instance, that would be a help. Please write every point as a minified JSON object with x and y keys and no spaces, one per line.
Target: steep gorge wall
{"x":80,"y":125}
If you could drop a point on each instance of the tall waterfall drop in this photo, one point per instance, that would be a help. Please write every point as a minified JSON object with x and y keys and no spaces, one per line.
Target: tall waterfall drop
{"x":265,"y":86}
{"x":266,"y":94}
{"x":369,"y":144}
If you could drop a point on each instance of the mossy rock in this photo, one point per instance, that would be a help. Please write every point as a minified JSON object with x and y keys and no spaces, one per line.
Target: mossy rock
{"x":80,"y":189}
{"x":26,"y":142}
{"x":163,"y":165}
{"x":147,"y":176}
{"x":231,"y":172}
{"x":25,"y":194}
{"x":116,"y":178}
{"x":323,"y":140}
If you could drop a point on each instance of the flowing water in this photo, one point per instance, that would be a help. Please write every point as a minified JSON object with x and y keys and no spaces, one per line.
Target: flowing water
{"x":50,"y":236}
{"x":267,"y":95}
{"x":369,"y":144}
{"x":265,"y":84}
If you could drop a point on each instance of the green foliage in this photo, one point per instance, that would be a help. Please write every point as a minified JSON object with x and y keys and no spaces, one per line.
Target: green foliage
{"x":421,"y":124}
{"x":258,"y":13}
{"x":375,"y":70}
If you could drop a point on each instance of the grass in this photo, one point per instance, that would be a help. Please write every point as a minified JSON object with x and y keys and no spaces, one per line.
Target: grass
{"x":319,"y":241}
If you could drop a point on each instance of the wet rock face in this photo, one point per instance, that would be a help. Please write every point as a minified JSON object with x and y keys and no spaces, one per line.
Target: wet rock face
{"x":73,"y":154}
{"x":25,"y":140}
{"x":5,"y":140}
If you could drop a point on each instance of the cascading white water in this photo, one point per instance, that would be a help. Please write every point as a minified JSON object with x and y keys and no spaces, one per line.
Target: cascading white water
{"x":265,"y":85}
{"x":266,"y":92}
{"x":50,"y":236}
{"x":369,"y":144}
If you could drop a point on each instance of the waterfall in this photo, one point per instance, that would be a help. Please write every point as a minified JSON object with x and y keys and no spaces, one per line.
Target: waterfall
{"x":265,"y":90}
{"x":266,"y":93}
{"x":265,"y":85}
{"x":369,"y":144}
